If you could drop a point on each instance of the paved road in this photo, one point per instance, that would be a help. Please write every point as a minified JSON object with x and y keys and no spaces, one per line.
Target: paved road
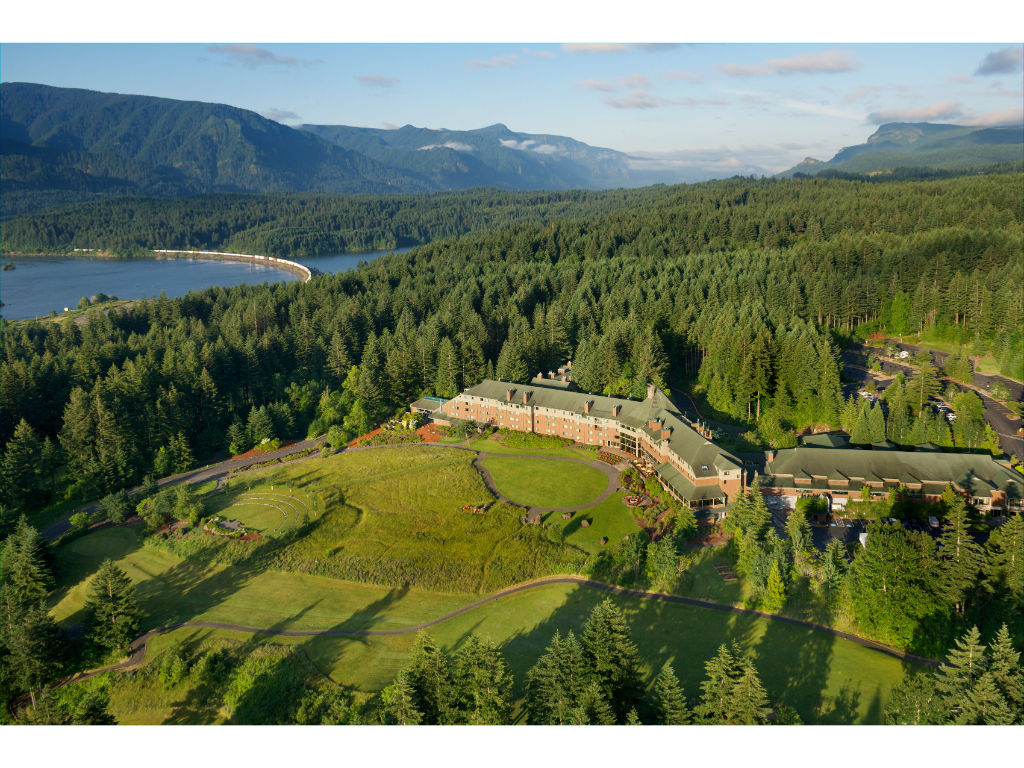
{"x":1001,"y":419}
{"x":211,"y":472}
{"x":138,"y":647}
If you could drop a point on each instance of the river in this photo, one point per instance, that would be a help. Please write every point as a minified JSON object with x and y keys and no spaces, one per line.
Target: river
{"x":37,"y":286}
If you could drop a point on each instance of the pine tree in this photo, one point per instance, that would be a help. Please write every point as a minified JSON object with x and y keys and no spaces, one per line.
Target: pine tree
{"x":112,"y":613}
{"x":1004,"y":560}
{"x":965,"y":664}
{"x":861,"y":432}
{"x":398,"y":706}
{"x":483,"y":683}
{"x":612,"y":657}
{"x":511,"y":364}
{"x":721,"y":673}
{"x":25,"y":574}
{"x":915,"y":701}
{"x":834,"y":563}
{"x":748,"y":701}
{"x":775,"y":591}
{"x":669,"y":701}
{"x":21,"y":469}
{"x":876,"y":424}
{"x":924,"y":383}
{"x":799,"y":532}
{"x":962,"y":556}
{"x":1007,"y":676}
{"x":431,"y":681}
{"x":592,"y":707}
{"x":555,"y":684}
{"x":984,"y":705}
{"x":446,"y":383}
{"x":32,"y":643}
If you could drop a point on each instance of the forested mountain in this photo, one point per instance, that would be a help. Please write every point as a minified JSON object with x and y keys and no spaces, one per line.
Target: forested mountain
{"x":493,"y":157}
{"x":66,"y":144}
{"x":739,"y":285}
{"x":923,"y":147}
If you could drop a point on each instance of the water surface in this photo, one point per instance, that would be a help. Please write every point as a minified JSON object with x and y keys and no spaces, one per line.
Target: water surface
{"x":37,"y":286}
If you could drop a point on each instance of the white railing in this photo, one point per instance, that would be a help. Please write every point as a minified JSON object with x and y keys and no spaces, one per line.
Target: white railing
{"x":271,"y":260}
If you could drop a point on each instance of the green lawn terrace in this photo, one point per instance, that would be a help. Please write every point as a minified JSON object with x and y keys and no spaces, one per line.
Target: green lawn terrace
{"x":387,"y":545}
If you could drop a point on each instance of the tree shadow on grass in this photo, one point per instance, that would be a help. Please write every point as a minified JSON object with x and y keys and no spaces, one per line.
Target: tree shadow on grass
{"x":794,"y":662}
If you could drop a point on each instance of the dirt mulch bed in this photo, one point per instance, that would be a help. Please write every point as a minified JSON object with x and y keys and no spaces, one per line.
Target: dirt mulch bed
{"x":260,"y":452}
{"x":430,"y":433}
{"x":371,"y":433}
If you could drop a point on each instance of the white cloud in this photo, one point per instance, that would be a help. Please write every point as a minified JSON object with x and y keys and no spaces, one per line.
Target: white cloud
{"x":253,"y":56}
{"x":281,"y":115}
{"x":1011,"y":116}
{"x":616,"y":47}
{"x":540,"y":54}
{"x":829,"y":62}
{"x":529,"y":145}
{"x":458,"y":146}
{"x":495,"y":61}
{"x":513,"y":144}
{"x":377,"y":81}
{"x":677,"y":75}
{"x":942,"y":110}
{"x":635,"y":81}
{"x":822,"y":109}
{"x":637,"y":100}
{"x":390,"y":127}
{"x":1005,"y":61}
{"x":594,"y":47}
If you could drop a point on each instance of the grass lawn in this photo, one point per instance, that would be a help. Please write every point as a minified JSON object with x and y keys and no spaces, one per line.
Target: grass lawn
{"x":267,"y":511}
{"x":535,"y":482}
{"x":610,"y":519}
{"x":493,"y":444}
{"x":827,"y":679}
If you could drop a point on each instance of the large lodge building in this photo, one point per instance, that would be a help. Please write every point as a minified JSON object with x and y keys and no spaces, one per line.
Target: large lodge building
{"x":698,"y":472}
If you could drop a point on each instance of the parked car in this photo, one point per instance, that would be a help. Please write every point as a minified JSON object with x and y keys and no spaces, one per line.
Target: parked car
{"x":933,"y":521}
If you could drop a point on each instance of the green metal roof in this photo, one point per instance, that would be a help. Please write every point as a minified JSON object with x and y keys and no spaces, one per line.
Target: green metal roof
{"x":967,"y":470}
{"x":686,"y":488}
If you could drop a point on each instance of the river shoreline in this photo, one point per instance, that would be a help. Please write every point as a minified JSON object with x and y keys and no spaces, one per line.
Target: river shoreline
{"x":87,"y":254}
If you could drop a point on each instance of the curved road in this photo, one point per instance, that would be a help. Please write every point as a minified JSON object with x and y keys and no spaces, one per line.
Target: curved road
{"x":209,"y":472}
{"x":138,"y":646}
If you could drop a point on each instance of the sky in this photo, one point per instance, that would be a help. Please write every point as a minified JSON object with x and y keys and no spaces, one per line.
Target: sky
{"x":727,"y":105}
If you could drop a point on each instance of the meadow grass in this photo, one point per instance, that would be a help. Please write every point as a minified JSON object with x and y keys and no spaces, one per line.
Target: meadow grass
{"x":534,"y":482}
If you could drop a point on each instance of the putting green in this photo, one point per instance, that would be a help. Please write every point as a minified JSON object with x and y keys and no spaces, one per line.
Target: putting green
{"x":535,"y":482}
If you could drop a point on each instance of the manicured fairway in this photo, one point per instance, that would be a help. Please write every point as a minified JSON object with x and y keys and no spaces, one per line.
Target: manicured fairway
{"x":826,"y":679}
{"x":535,"y":482}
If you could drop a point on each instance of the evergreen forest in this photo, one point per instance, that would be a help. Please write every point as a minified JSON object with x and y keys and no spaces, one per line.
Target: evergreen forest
{"x":744,"y":289}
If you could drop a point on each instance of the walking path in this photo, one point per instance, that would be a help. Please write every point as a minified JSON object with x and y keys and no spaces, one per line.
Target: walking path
{"x":138,"y":647}
{"x":218,"y":472}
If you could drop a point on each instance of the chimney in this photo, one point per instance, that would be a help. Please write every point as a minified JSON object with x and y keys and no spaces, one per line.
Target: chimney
{"x":654,"y":424}
{"x":666,"y":434}
{"x":587,"y":405}
{"x":615,"y":410}
{"x":526,"y":397}
{"x":508,"y":395}
{"x":650,"y":391}
{"x":770,"y":456}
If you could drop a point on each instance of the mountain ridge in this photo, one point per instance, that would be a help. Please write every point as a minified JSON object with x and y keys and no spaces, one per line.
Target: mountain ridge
{"x":922,"y":146}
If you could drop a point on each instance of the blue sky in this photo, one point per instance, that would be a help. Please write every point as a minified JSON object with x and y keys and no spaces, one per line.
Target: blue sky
{"x":737,"y":106}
